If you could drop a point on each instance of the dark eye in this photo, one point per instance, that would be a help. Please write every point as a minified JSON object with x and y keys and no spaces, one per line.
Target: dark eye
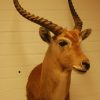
{"x":63,"y":43}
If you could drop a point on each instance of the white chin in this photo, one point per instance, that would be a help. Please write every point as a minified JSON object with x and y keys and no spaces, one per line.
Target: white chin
{"x":79,"y":68}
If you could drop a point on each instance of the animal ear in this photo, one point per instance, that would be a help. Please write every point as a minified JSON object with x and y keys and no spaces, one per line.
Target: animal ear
{"x":45,"y":34}
{"x":85,"y":33}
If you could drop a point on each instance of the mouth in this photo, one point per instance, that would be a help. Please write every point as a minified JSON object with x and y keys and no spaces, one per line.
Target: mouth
{"x":80,"y":69}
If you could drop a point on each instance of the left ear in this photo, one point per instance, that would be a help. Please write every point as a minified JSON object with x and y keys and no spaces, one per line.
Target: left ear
{"x":45,"y":34}
{"x":85,"y":33}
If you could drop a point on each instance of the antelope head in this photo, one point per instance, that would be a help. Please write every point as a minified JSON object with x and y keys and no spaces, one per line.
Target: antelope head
{"x":65,"y":44}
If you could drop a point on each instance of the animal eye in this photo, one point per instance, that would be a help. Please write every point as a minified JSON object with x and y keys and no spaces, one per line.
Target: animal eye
{"x":63,"y":43}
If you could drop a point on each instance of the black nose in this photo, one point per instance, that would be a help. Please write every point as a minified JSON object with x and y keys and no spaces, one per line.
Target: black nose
{"x":86,"y":65}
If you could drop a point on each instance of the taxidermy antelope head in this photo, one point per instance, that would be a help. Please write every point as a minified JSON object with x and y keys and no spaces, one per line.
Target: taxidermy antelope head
{"x":51,"y":79}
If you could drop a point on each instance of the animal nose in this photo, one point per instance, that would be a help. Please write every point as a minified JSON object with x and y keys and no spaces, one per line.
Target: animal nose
{"x":86,"y":65}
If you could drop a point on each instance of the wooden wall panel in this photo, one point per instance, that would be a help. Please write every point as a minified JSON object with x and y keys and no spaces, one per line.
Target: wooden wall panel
{"x":21,"y":47}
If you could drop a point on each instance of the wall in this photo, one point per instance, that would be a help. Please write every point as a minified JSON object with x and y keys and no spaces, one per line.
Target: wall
{"x":21,"y":47}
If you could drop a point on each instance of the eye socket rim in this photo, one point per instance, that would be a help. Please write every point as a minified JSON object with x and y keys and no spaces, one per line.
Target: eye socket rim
{"x":63,"y":43}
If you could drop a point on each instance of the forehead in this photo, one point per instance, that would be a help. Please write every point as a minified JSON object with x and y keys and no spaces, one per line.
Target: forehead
{"x":72,"y":35}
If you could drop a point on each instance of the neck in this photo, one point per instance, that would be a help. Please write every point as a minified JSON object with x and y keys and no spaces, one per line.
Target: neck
{"x":55,"y":82}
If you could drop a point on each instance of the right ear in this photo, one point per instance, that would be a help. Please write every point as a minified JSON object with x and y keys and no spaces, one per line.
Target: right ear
{"x":45,"y":34}
{"x":85,"y":33}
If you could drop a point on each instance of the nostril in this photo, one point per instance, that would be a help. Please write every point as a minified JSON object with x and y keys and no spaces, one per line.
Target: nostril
{"x":86,"y":65}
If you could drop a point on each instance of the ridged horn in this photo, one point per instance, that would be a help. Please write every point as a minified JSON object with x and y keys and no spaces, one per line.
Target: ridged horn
{"x":77,"y":20}
{"x":38,"y":20}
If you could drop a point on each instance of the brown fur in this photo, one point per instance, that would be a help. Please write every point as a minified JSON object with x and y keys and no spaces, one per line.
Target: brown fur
{"x":51,"y":79}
